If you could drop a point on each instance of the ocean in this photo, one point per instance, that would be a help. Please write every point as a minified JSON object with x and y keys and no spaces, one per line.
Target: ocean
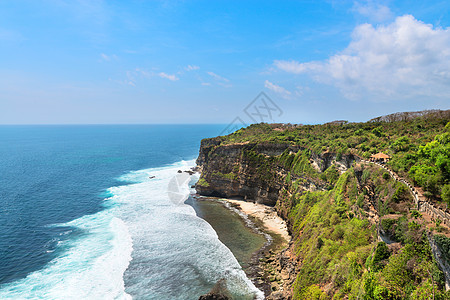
{"x":98,"y":212}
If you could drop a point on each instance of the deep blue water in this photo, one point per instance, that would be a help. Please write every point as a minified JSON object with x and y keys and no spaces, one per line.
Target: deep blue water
{"x":52,"y":175}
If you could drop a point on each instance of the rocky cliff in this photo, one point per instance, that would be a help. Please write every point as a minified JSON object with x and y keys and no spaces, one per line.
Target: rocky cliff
{"x":258,"y":171}
{"x":227,"y":171}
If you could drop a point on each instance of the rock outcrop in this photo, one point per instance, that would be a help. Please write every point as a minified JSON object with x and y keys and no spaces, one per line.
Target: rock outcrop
{"x":228,"y":172}
{"x":218,"y":292}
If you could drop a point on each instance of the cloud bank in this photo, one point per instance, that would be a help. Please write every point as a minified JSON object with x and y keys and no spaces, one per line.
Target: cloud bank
{"x":277,"y":89}
{"x":406,"y":58}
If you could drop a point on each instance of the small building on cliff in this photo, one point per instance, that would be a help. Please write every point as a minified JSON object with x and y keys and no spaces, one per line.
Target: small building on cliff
{"x":380,"y":157}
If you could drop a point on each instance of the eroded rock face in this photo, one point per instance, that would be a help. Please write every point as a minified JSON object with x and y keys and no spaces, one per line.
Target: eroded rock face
{"x":228,"y":172}
{"x":323,"y":161}
{"x":211,"y":296}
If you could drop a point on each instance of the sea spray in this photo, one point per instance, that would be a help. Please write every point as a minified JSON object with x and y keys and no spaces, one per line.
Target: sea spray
{"x":90,"y":266}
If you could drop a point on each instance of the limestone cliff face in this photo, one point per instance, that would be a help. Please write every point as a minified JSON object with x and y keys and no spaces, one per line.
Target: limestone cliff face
{"x":250,"y":171}
{"x":228,"y":172}
{"x":323,"y":161}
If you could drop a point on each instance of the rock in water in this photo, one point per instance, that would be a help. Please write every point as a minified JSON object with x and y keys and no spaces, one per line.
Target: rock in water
{"x":218,"y":292}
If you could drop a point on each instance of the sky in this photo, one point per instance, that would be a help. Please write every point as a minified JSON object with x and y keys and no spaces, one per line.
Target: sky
{"x":139,"y":62}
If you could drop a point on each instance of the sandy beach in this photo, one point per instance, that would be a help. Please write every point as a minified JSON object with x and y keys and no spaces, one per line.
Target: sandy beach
{"x":267,"y":215}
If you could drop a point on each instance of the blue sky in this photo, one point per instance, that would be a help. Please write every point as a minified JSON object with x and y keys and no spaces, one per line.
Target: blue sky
{"x":71,"y":62}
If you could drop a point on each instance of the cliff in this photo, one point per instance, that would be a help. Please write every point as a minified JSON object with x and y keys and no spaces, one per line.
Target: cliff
{"x":231,"y":171}
{"x":336,"y":204}
{"x":257,"y":171}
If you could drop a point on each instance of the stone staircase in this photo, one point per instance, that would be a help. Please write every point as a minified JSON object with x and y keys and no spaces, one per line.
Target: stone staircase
{"x":421,"y":203}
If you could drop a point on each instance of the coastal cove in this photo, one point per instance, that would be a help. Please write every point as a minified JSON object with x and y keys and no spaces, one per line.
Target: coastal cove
{"x":253,"y":232}
{"x":242,"y":240}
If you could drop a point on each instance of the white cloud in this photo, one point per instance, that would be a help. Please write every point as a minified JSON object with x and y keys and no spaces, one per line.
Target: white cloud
{"x":105,"y":57}
{"x":277,"y":89}
{"x":192,"y":68}
{"x":293,"y":66}
{"x":217,"y":77}
{"x":404,"y":59}
{"x":168,"y":76}
{"x":136,"y":76}
{"x":373,"y":11}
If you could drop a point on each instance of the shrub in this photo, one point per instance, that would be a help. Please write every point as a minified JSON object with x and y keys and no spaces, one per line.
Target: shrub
{"x":377,"y":131}
{"x":399,"y":194}
{"x":445,"y":193}
{"x":365,"y":175}
{"x":415,"y":214}
{"x":444,"y":245}
{"x":203,"y":182}
{"x":381,"y":253}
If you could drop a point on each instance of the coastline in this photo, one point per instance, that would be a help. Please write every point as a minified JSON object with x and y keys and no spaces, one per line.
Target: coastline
{"x":272,"y":276}
{"x":263,"y":265}
{"x":264,"y":213}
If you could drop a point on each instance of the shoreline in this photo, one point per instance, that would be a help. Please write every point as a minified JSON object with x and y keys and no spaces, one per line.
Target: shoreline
{"x":265,"y":214}
{"x":263,"y":267}
{"x":270,"y":276}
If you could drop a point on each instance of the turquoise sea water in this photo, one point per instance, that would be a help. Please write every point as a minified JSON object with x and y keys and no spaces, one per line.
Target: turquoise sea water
{"x":81,"y":219}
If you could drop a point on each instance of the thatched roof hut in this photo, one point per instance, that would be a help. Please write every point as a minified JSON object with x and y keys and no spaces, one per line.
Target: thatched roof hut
{"x":380,"y":157}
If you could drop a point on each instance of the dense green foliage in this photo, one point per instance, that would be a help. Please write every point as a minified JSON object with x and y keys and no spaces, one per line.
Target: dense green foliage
{"x":202,"y":182}
{"x":432,"y":169}
{"x":444,"y":245}
{"x":338,"y":249}
{"x":381,"y":254}
{"x":337,"y":245}
{"x":420,"y":147}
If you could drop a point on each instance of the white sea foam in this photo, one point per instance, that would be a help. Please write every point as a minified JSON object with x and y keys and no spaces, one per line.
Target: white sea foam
{"x":176,"y":255}
{"x":143,"y":246}
{"x":90,"y":267}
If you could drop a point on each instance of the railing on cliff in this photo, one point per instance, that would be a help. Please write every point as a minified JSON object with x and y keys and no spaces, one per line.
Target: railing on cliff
{"x":421,"y":204}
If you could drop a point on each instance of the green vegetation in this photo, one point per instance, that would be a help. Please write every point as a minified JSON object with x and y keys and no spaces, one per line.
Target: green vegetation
{"x":337,"y":244}
{"x":432,"y":171}
{"x":380,"y":256}
{"x":230,"y":176}
{"x":444,"y":245}
{"x":419,"y":147}
{"x":202,"y":182}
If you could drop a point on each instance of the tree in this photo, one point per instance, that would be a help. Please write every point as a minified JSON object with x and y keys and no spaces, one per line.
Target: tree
{"x":377,"y":131}
{"x":445,"y":193}
{"x":401,"y":144}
